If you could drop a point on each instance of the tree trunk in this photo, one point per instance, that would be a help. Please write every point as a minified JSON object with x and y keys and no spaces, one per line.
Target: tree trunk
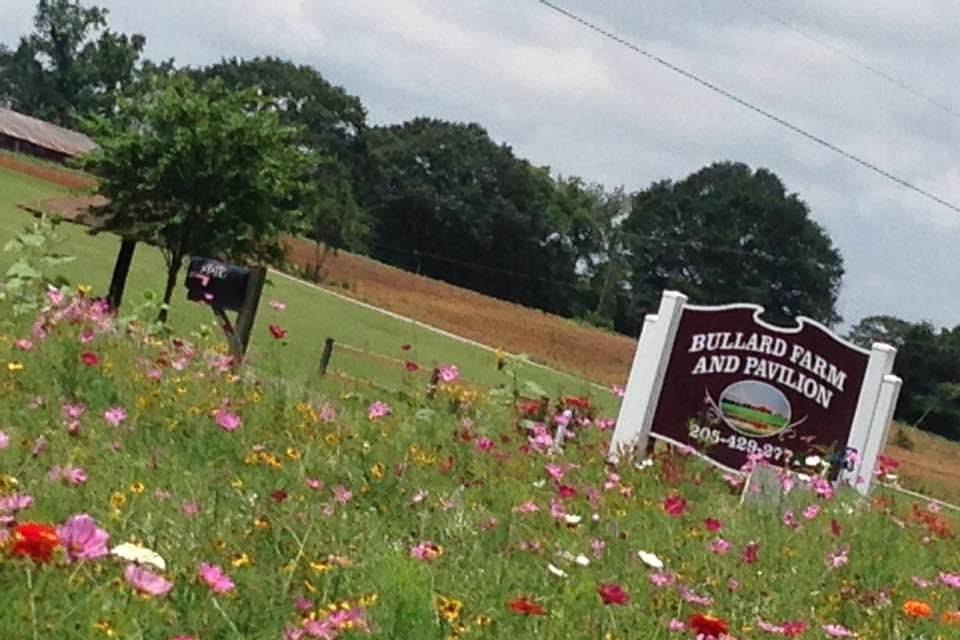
{"x":120,"y":270}
{"x":172,"y":270}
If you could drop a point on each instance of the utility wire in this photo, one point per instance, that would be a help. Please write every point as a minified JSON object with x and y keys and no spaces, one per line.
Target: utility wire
{"x":843,"y":54}
{"x":749,"y":105}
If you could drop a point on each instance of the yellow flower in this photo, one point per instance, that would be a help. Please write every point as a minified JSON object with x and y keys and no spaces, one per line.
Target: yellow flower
{"x":377,"y":470}
{"x":219,"y":545}
{"x":236,"y":483}
{"x":117,"y":500}
{"x":368,"y":601}
{"x":240,"y":560}
{"x":482,"y":621}
{"x":449,"y":608}
{"x":181,"y":391}
{"x":321,"y":567}
{"x":105,"y":628}
{"x":293,"y":453}
{"x":261,"y":522}
{"x":332,"y":438}
{"x":84,"y":289}
{"x":15,"y":366}
{"x":137,"y":488}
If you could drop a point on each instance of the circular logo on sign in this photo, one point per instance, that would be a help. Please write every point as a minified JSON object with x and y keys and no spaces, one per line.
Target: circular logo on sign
{"x":755,"y":408}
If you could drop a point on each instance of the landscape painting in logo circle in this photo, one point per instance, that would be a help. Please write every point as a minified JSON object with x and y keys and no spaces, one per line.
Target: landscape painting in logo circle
{"x":755,"y":408}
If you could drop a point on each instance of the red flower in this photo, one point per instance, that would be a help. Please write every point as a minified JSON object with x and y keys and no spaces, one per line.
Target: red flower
{"x":526,"y":607}
{"x":613,"y":594}
{"x":750,"y":553}
{"x":835,"y":528}
{"x":712,"y":524}
{"x":279,"y":495}
{"x":577,"y":403}
{"x":674,"y":506}
{"x":89,"y":359}
{"x":412,"y":367}
{"x":566,"y":491}
{"x":277,"y":332}
{"x":708,"y":626}
{"x":36,"y":541}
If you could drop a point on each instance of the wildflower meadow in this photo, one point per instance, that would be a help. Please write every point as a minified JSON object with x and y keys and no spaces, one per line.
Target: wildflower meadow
{"x":151,"y":489}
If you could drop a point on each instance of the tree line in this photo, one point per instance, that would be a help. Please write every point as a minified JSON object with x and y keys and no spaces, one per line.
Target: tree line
{"x":224,"y":159}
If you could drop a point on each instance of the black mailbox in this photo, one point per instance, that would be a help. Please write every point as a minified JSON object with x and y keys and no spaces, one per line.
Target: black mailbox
{"x":216,"y":283}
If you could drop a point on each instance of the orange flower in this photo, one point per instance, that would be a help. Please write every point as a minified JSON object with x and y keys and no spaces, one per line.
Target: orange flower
{"x":36,"y":541}
{"x":708,"y":625}
{"x":950,"y":617}
{"x":917,"y":609}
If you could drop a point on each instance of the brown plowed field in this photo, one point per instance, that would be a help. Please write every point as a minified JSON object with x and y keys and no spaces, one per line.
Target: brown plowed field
{"x":933,"y":465}
{"x":45,"y":172}
{"x":591,"y":353}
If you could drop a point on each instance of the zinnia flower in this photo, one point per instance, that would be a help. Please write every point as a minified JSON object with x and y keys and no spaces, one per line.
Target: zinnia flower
{"x":89,"y":359}
{"x":82,"y":539}
{"x":277,"y":332}
{"x":34,"y":541}
{"x":215,"y":578}
{"x":674,"y":506}
{"x":146,"y":582}
{"x":707,"y":625}
{"x":526,"y":607}
{"x":917,"y":609}
{"x":613,"y":594}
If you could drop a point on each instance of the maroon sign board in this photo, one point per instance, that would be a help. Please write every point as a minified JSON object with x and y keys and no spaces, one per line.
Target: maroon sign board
{"x":730,"y":385}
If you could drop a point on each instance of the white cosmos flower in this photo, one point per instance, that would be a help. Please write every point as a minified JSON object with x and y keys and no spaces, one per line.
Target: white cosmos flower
{"x":141,"y":555}
{"x":557,"y":571}
{"x":582,"y":560}
{"x":650,"y":559}
{"x":812,"y":461}
{"x":539,"y":483}
{"x":572,"y":518}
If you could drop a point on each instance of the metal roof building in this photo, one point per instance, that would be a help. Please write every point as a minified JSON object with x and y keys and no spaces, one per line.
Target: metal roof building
{"x":22,"y":133}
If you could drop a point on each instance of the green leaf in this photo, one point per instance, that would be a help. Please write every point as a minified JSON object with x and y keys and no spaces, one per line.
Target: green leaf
{"x":22,"y":269}
{"x":535,"y":389}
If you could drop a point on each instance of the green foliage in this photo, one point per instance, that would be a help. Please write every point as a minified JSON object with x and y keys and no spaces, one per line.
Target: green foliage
{"x":72,"y":63}
{"x":928,"y":361}
{"x":199,"y":171}
{"x":729,"y":234}
{"x":36,"y":260}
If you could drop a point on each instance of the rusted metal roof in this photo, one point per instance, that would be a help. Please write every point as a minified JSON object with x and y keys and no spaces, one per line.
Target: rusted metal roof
{"x":43,"y":134}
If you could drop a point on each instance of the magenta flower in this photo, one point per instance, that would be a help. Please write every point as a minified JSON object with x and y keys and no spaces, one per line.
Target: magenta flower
{"x":4,"y":440}
{"x":146,"y":582}
{"x":661,"y":580}
{"x":191,"y":508}
{"x":674,"y":506}
{"x":72,"y":411}
{"x":951,"y":580}
{"x":115,"y":416}
{"x":483,"y":444}
{"x":228,"y":421}
{"x":750,"y":553}
{"x":526,"y":507}
{"x":216,"y":579}
{"x":82,"y":539}
{"x":712,"y":524}
{"x":693,"y":598}
{"x":448,"y":373}
{"x":13,"y":504}
{"x":426,"y":551}
{"x":720,"y":546}
{"x":378,"y":410}
{"x":811,"y":512}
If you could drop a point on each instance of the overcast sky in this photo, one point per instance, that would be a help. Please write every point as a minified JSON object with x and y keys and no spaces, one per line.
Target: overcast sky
{"x":568,"y":98}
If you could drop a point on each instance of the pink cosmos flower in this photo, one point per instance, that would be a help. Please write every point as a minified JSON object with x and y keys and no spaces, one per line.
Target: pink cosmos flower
{"x":115,"y":416}
{"x":483,"y":444}
{"x":86,"y":336}
{"x":617,"y":390}
{"x":146,"y":582}
{"x":341,"y":494}
{"x":821,"y":487}
{"x":693,"y":598}
{"x":215,"y":578}
{"x":676,"y":626}
{"x":191,"y":508}
{"x":526,"y":507}
{"x":4,"y":440}
{"x":448,"y":373}
{"x":720,"y":546}
{"x":733,"y":585}
{"x":661,"y":580}
{"x":836,"y":631}
{"x":23,"y":344}
{"x":426,"y":551}
{"x":837,"y":558}
{"x":920,"y":583}
{"x":72,"y":411}
{"x":418,"y":497}
{"x":302,"y":605}
{"x":313,"y":483}
{"x":82,"y":539}
{"x":328,"y":413}
{"x":951,"y":580}
{"x":555,"y":472}
{"x":811,"y":512}
{"x":540,"y":438}
{"x":55,"y":296}
{"x":13,"y":504}
{"x":228,"y":421}
{"x":378,"y":410}
{"x":789,"y":520}
{"x":277,"y":305}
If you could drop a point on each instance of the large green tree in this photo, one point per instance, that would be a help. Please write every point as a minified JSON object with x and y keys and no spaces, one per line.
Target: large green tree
{"x":729,"y":234}
{"x":928,"y":361}
{"x":71,"y":63}
{"x":450,"y":203}
{"x":199,"y":171}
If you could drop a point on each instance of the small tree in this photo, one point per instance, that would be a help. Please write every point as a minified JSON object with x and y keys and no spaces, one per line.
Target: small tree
{"x":331,"y":216}
{"x":198,"y":171}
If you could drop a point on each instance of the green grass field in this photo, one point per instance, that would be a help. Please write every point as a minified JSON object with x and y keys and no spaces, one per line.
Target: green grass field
{"x":755,"y":418}
{"x":312,"y":315}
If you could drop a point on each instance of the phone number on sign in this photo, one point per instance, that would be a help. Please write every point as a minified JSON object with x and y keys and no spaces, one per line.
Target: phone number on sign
{"x":710,"y":436}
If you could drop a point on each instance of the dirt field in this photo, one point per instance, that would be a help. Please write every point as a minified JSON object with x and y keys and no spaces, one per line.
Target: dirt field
{"x":591,"y":353}
{"x":48,"y":173}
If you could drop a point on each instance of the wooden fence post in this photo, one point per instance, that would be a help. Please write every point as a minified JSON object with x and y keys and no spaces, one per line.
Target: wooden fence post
{"x":325,"y":358}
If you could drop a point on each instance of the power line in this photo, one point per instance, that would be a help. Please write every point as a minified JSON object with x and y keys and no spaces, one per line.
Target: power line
{"x":843,"y":54}
{"x":749,"y":105}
